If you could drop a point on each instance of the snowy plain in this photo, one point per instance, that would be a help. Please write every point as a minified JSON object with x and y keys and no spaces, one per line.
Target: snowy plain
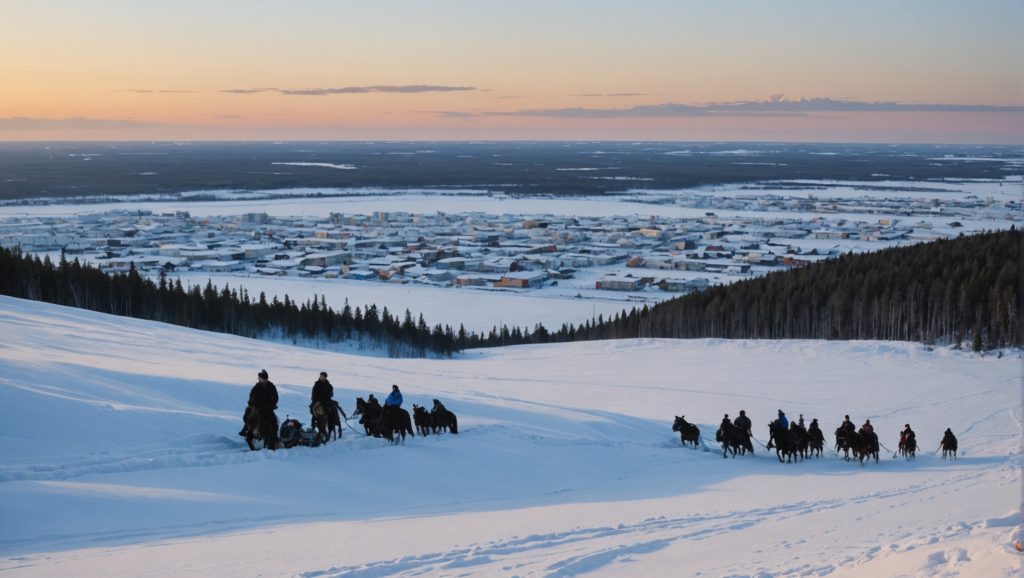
{"x":120,"y":457}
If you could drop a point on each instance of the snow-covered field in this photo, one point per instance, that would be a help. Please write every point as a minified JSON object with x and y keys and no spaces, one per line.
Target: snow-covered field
{"x":119,"y":456}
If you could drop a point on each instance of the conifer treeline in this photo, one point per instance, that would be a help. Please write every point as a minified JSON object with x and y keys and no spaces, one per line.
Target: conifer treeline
{"x":948,"y":291}
{"x":209,"y":308}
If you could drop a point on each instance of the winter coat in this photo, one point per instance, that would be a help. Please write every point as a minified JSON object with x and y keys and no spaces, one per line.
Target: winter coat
{"x":263,"y":396}
{"x":815,"y":432}
{"x":743,"y":422}
{"x":323,"y":392}
{"x":395,"y":398}
{"x":783,"y":421}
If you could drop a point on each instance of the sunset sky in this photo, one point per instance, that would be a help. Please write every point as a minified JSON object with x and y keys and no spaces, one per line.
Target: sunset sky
{"x":907,"y":71}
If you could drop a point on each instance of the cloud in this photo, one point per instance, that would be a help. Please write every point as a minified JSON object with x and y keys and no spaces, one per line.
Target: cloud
{"x":648,"y":110}
{"x":615,"y":94}
{"x":151,"y":91}
{"x":249,"y":90}
{"x":775,"y":106}
{"x":21,"y":123}
{"x":399,"y":89}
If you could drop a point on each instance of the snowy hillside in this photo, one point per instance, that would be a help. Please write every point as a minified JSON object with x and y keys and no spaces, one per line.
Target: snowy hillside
{"x":119,"y":455}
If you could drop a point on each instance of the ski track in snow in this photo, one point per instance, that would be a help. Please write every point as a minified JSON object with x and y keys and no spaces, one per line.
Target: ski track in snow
{"x":643,"y":537}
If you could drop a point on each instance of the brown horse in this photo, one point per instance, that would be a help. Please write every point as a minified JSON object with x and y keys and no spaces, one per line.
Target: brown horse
{"x":326,"y":420}
{"x":260,"y":426}
{"x":687,"y":431}
{"x":949,"y":445}
{"x":384,"y":422}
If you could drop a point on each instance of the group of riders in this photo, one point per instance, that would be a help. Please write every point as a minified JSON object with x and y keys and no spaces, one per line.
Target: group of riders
{"x":844,"y":435}
{"x":260,"y":421}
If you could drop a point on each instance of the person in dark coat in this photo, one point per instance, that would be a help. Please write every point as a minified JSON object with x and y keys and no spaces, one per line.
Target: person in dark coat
{"x":847,"y":425}
{"x":263,"y":400}
{"x":907,"y":434}
{"x":743,"y":422}
{"x":323,"y":392}
{"x":815,"y":432}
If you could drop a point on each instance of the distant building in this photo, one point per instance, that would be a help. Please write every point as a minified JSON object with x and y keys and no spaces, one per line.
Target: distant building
{"x":613,"y":283}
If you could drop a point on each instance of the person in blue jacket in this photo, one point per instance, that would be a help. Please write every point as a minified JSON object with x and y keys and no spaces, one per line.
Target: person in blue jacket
{"x":783,"y":421}
{"x":394,"y":398}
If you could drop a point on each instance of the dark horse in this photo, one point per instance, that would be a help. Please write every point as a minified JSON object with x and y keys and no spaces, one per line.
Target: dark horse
{"x":443,"y":420}
{"x":260,"y":426}
{"x":384,"y":422}
{"x":948,"y":445}
{"x":908,"y":447}
{"x":783,"y":441}
{"x":421,"y":417}
{"x":842,"y":442}
{"x":687,"y":431}
{"x":863,"y":444}
{"x":326,"y":420}
{"x":800,"y":440}
{"x":733,"y":439}
{"x":816,"y":441}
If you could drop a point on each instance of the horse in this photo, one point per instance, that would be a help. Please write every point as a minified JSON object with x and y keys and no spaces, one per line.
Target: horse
{"x":442,"y":419}
{"x":384,"y":422}
{"x":733,"y":439}
{"x":842,"y":443}
{"x":326,"y":421}
{"x":783,"y":441}
{"x":687,"y":431}
{"x":815,"y":441}
{"x":948,"y":445}
{"x":421,"y":417}
{"x":395,"y":420}
{"x":260,"y":426}
{"x":800,"y":440}
{"x":369,"y":417}
{"x":863,"y":444}
{"x":908,"y":447}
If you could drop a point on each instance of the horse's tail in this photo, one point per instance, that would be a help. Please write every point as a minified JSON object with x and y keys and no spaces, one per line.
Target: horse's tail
{"x":455,"y":423}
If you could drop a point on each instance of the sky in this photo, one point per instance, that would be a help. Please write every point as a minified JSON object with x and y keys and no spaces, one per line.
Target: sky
{"x":872,"y":71}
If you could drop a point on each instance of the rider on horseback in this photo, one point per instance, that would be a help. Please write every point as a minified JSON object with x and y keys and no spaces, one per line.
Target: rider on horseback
{"x":743,"y":422}
{"x":907,"y":434}
{"x":814,"y":431}
{"x":394,"y":399}
{"x":323,"y":392}
{"x":868,"y":431}
{"x":262,"y":403}
{"x":847,"y":425}
{"x":783,"y":422}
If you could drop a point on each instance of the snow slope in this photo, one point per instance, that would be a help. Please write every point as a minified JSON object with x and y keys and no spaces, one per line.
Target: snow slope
{"x":119,"y":456}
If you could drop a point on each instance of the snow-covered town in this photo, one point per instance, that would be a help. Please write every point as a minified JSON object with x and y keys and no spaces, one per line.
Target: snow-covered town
{"x":617,"y":253}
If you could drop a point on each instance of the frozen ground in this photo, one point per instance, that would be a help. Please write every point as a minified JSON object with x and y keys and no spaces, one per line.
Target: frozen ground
{"x":120,"y":457}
